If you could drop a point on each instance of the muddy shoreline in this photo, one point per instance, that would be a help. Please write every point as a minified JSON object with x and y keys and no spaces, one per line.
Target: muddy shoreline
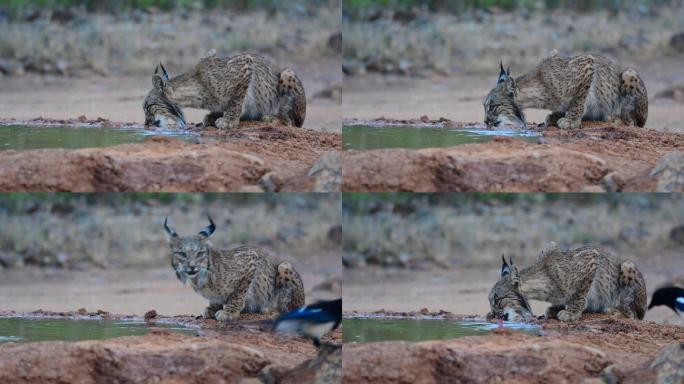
{"x":253,"y":158}
{"x":231,"y":352}
{"x":598,"y":347}
{"x":595,"y":158}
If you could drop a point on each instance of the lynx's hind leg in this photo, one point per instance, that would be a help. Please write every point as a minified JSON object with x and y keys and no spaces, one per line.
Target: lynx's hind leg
{"x":292,"y":108}
{"x":582,"y":70}
{"x":633,"y":295}
{"x":634,"y":105}
{"x":289,"y":288}
{"x":240,"y":75}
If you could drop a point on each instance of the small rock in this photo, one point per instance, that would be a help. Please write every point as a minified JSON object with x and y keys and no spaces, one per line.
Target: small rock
{"x":335,"y":42}
{"x":82,"y":311}
{"x":82,"y":119}
{"x":149,"y":315}
{"x":677,"y":235}
{"x":669,"y":364}
{"x":612,"y":182}
{"x":270,"y":182}
{"x":327,"y":173}
{"x":354,"y":68}
{"x":677,"y":42}
{"x":669,"y":173}
{"x":675,"y":92}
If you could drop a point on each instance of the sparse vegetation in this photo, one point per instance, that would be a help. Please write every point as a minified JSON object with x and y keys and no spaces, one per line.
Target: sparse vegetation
{"x":419,"y":41}
{"x":65,"y":40}
{"x":125,"y":230}
{"x":459,"y":229}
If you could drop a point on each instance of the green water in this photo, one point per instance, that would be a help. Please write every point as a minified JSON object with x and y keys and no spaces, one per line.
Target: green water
{"x":377,"y":137}
{"x":21,"y":137}
{"x":363,"y":330}
{"x":26,"y":330}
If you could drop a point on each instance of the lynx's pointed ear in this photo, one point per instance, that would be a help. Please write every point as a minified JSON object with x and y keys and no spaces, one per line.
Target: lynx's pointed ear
{"x":505,"y":268}
{"x":170,"y":231}
{"x":513,"y":270}
{"x":209,"y":229}
{"x":165,"y":75}
{"x":503,"y":76}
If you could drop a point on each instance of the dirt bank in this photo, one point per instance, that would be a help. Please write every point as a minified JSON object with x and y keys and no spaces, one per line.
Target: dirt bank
{"x":254,"y":157}
{"x":597,"y":347}
{"x":595,"y":158}
{"x":225,"y":353}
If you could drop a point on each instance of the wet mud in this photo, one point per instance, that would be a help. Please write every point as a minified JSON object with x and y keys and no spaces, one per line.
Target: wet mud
{"x":595,"y":158}
{"x":598,"y":348}
{"x":246,"y":349}
{"x":255,"y":157}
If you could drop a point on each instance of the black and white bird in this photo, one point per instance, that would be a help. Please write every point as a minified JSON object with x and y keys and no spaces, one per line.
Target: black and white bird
{"x":313,"y":320}
{"x":672,"y":297}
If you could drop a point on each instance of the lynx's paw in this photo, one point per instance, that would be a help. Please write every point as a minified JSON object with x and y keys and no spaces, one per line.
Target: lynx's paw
{"x":565,"y":123}
{"x":224,"y":315}
{"x":224,"y":123}
{"x":568,"y":316}
{"x":208,"y":313}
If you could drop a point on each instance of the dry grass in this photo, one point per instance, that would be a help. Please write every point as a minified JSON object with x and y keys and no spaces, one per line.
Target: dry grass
{"x":449,"y":44}
{"x":131,"y":233}
{"x":476,"y":234}
{"x":134,"y":43}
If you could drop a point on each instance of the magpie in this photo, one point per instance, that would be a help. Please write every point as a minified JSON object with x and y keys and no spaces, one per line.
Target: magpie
{"x":313,"y":320}
{"x":673,"y":297}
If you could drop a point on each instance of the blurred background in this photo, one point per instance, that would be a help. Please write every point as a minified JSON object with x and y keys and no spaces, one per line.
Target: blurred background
{"x":407,"y":58}
{"x":67,"y":58}
{"x":405,"y":252}
{"x":63,"y":252}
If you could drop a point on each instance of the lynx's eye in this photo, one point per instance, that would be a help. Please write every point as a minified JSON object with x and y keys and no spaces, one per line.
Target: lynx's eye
{"x":181,"y":255}
{"x":201,"y":254}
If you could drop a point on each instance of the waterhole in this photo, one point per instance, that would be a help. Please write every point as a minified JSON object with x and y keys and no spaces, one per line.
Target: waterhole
{"x":26,"y":330}
{"x":362,"y":137}
{"x":365,"y":330}
{"x":24,"y":137}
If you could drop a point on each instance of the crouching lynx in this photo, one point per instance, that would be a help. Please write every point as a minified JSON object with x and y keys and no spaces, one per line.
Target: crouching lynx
{"x":242,"y":279}
{"x":247,"y":87}
{"x":574,"y":281}
{"x":584,"y":87}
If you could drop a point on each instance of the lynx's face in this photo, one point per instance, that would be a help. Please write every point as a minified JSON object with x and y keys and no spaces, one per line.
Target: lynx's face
{"x":190,"y":255}
{"x":506,"y":300}
{"x":159,"y":111}
{"x":501,"y":110}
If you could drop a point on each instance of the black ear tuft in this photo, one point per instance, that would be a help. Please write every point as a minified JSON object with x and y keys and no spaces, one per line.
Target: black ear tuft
{"x":503,"y":76}
{"x":208,"y":230}
{"x":170,"y":231}
{"x":505,"y":268}
{"x":508,"y":71}
{"x":165,"y":75}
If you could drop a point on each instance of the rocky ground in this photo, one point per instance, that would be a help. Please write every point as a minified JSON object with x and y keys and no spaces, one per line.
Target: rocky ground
{"x":244,"y":351}
{"x":255,"y":157}
{"x":598,"y":349}
{"x":596,"y":158}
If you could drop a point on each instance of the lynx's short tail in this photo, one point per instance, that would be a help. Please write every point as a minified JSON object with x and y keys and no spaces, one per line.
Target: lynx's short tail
{"x":289,"y":288}
{"x":292,"y":98}
{"x":634,"y":108}
{"x":633,"y":295}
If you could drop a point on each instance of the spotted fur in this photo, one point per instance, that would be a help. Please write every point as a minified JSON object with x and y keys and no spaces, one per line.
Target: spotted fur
{"x":584,"y":87}
{"x":574,"y":281}
{"x":242,"y":279}
{"x":242,"y":87}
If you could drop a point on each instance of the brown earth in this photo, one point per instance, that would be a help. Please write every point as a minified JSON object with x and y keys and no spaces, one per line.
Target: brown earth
{"x":597,"y":348}
{"x":595,"y":158}
{"x":224,"y":353}
{"x":226,"y":161}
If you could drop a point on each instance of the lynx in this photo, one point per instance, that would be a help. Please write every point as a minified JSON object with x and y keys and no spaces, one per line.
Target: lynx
{"x":574,"y":281}
{"x":584,"y":87}
{"x":242,"y":279}
{"x":247,"y":87}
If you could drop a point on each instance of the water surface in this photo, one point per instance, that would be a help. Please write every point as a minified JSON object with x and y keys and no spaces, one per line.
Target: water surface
{"x":364,"y":330}
{"x":24,"y":137}
{"x":26,"y":330}
{"x":362,"y":137}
